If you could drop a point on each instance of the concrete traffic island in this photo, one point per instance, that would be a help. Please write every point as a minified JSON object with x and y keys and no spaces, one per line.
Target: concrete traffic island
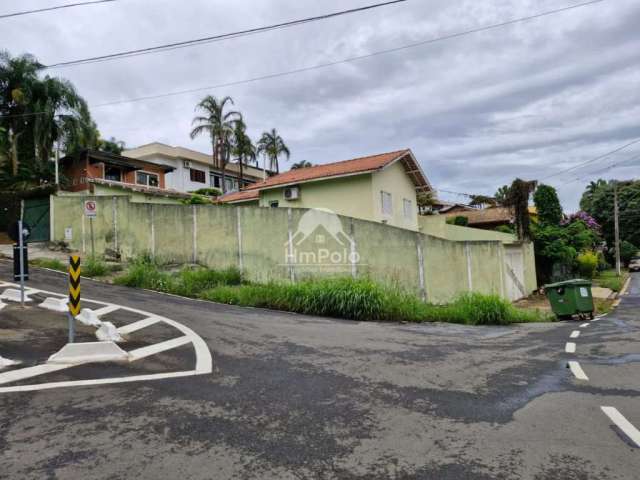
{"x":89,"y":352}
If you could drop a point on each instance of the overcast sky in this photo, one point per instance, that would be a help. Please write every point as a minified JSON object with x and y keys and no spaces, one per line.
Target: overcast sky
{"x":525,"y":100}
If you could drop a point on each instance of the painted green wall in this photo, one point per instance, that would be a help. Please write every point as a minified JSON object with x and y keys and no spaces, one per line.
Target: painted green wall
{"x":255,"y":239}
{"x":394,"y":180}
{"x":345,"y":196}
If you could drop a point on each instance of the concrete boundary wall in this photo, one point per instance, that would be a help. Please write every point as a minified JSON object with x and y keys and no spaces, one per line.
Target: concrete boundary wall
{"x":260,"y":242}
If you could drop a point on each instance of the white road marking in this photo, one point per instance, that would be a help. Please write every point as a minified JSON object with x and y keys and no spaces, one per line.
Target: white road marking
{"x":103,"y":381}
{"x":204,"y":360}
{"x":575,"y":334}
{"x":139,"y":325}
{"x":28,"y":372}
{"x":623,"y":424}
{"x":158,"y":348}
{"x":570,"y":347}
{"x":106,"y":310}
{"x":584,"y":325}
{"x":577,"y":371}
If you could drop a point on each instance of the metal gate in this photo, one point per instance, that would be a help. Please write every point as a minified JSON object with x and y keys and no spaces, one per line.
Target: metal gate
{"x":36,"y":215}
{"x":514,"y":269}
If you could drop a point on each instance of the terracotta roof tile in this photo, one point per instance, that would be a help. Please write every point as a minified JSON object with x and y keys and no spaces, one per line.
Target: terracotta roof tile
{"x":346,"y":167}
{"x":243,"y":196}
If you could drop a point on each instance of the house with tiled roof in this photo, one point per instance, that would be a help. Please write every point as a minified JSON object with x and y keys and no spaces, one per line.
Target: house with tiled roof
{"x":381,"y":188}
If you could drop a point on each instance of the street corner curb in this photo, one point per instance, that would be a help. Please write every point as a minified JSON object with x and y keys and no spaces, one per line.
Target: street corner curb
{"x":90,"y":352}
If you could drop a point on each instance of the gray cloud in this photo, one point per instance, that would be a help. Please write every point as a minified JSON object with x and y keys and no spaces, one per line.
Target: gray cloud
{"x":525,"y":100}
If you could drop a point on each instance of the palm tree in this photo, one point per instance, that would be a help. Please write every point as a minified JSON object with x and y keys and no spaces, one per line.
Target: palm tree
{"x":219,"y":125}
{"x":272,"y":146}
{"x":301,"y":164}
{"x":35,"y":113}
{"x":242,"y":148}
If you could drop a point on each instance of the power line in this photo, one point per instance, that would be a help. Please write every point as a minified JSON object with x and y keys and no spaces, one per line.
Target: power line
{"x":605,"y":169}
{"x":218,"y":38}
{"x":56,"y":7}
{"x":337,"y":62}
{"x":600,"y":157}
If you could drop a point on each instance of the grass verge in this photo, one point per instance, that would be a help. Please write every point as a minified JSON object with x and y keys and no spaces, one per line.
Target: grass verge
{"x":609,"y":279}
{"x":365,"y":300}
{"x":90,"y":266}
{"x":345,"y":298}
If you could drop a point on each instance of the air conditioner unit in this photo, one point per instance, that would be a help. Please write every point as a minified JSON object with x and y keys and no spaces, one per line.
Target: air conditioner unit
{"x":292,"y":193}
{"x":186,"y":164}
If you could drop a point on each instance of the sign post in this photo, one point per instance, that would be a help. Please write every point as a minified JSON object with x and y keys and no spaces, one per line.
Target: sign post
{"x":74,"y":294}
{"x":19,"y":232}
{"x":91,"y":212}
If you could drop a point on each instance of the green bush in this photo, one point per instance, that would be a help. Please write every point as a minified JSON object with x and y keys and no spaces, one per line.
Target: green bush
{"x":627,"y":251}
{"x":459,"y":220}
{"x":209,"y":192}
{"x":587,"y":264}
{"x":197,"y":200}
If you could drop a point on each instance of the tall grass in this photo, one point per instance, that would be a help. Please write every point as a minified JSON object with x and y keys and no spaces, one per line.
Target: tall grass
{"x":365,"y":300}
{"x":346,"y":298}
{"x":146,"y":273}
{"x":51,"y":263}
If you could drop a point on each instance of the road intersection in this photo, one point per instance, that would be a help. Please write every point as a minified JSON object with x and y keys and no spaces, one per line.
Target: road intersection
{"x":291,"y":396}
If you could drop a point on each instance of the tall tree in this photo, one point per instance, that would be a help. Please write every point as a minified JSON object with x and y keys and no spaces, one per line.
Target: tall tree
{"x":518,"y":202}
{"x":272,"y":146}
{"x":242,"y":148}
{"x":548,"y":205}
{"x":36,"y":113}
{"x":218,"y":123}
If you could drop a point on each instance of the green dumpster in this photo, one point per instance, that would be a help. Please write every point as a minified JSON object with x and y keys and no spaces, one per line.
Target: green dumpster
{"x":569,"y":298}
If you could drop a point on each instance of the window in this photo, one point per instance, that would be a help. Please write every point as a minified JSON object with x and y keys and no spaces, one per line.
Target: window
{"x":231,"y":184}
{"x":216,"y":181}
{"x":147,"y":179}
{"x":407,"y":207}
{"x":198,"y":176}
{"x":386,"y":203}
{"x":274,"y":204}
{"x":113,"y":174}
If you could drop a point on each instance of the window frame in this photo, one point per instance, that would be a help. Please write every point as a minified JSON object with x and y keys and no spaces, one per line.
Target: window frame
{"x":408,"y":213}
{"x":149,"y":175}
{"x":113,"y":168}
{"x":193,"y":178}
{"x":383,"y":210}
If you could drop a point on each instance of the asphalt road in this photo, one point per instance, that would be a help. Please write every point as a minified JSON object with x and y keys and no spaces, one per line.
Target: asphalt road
{"x":295,"y":397}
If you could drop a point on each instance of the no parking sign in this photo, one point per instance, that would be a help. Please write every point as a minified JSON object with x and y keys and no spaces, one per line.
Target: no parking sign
{"x":90,"y":209}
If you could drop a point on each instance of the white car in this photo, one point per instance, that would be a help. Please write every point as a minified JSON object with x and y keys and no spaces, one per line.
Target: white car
{"x":634,"y":264}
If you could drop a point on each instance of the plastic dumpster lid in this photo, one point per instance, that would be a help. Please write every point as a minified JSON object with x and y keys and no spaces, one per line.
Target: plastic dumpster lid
{"x":577,"y":282}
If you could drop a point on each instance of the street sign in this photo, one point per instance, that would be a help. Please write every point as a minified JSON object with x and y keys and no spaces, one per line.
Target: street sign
{"x":74,"y":285}
{"x":90,"y":209}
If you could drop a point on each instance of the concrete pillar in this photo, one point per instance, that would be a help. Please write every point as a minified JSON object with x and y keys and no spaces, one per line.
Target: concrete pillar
{"x":290,"y":257}
{"x":239,"y":232}
{"x":353,"y":252}
{"x":502,"y":267}
{"x":194,"y":233}
{"x":421,"y":278}
{"x":114,"y":212}
{"x":467,"y":251}
{"x":153,"y":229}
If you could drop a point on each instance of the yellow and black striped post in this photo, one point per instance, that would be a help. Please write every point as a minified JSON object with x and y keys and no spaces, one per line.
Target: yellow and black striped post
{"x":74,"y":293}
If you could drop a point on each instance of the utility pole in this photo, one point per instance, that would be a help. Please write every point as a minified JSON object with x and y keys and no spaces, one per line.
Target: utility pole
{"x":57,"y":162}
{"x":616,"y":221}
